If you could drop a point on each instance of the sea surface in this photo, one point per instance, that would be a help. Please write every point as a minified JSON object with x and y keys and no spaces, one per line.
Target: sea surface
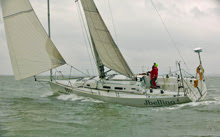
{"x":29,"y":109}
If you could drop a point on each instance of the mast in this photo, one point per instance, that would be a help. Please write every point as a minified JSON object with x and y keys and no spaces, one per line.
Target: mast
{"x":99,"y":64}
{"x":48,"y":10}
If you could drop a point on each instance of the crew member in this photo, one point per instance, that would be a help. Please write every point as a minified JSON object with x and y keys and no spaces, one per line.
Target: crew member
{"x":154,"y":75}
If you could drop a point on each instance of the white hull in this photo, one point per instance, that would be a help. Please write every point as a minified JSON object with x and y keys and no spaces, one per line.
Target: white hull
{"x":121,"y":98}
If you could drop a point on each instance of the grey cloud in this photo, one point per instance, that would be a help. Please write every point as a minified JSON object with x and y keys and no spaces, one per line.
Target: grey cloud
{"x":169,"y":8}
{"x":0,"y":13}
{"x":161,"y":6}
{"x":216,"y":10}
{"x":197,"y":12}
{"x":158,"y":4}
{"x":217,"y":2}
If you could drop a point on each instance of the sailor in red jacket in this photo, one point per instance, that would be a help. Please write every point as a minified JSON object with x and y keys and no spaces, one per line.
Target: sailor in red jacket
{"x":154,"y":75}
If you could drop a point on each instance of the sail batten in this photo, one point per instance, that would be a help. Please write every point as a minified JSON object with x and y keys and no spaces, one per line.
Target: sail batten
{"x":104,"y":44}
{"x":31,"y":50}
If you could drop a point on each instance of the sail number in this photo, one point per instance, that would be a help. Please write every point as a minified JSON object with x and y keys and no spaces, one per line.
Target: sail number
{"x":68,"y":90}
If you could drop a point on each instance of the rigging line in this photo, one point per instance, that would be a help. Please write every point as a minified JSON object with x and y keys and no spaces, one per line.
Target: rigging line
{"x":84,"y":36}
{"x":126,"y":65}
{"x":85,"y":39}
{"x":113,"y":22}
{"x":44,"y":85}
{"x":87,"y":35}
{"x":78,"y":70}
{"x":62,"y":75}
{"x":84,"y":26}
{"x":174,"y":43}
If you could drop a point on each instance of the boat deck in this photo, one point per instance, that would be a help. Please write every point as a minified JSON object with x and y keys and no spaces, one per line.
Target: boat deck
{"x":122,"y":94}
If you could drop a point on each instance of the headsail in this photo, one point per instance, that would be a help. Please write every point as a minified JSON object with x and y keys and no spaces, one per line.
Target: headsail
{"x":106,"y":48}
{"x":31,"y":50}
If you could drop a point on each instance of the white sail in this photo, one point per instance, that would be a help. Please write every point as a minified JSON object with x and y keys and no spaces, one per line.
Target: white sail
{"x":106,"y":48}
{"x":31,"y":50}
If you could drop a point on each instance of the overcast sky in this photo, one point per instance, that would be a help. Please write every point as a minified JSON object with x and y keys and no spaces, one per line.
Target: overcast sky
{"x":139,"y":32}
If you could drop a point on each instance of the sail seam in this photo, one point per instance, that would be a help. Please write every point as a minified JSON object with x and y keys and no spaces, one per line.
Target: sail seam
{"x":90,"y":10}
{"x":102,"y":30}
{"x":13,"y":52}
{"x":21,"y":12}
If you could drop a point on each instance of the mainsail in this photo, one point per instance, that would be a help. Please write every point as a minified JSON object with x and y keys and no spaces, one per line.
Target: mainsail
{"x":31,"y":50}
{"x":104,"y":44}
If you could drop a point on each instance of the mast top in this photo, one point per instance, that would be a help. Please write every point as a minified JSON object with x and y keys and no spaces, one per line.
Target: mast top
{"x":198,"y":50}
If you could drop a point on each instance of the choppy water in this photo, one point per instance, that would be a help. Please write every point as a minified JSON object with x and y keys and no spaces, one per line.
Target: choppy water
{"x":28,"y":109}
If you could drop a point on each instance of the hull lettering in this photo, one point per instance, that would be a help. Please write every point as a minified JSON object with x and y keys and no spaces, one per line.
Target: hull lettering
{"x":159,"y":102}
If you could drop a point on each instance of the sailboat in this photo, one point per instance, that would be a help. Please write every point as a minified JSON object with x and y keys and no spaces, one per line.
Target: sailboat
{"x":32,"y":52}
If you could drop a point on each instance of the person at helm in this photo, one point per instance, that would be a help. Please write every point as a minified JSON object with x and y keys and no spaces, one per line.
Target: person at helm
{"x":154,"y":75}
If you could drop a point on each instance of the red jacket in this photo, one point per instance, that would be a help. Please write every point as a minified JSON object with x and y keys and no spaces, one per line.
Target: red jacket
{"x":154,"y":72}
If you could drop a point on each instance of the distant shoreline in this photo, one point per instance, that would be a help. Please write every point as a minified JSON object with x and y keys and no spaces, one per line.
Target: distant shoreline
{"x":208,"y":75}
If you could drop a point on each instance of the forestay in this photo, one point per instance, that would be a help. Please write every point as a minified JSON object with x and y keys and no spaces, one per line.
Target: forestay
{"x":31,"y":50}
{"x":106,"y":48}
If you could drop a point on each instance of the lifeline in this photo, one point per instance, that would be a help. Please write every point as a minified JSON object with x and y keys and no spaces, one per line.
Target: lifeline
{"x":159,"y":102}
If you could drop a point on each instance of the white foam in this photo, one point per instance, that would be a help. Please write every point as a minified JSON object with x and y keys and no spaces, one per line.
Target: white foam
{"x":217,"y":99}
{"x":47,"y":94}
{"x":191,"y":104}
{"x":92,"y":100}
{"x":71,"y":97}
